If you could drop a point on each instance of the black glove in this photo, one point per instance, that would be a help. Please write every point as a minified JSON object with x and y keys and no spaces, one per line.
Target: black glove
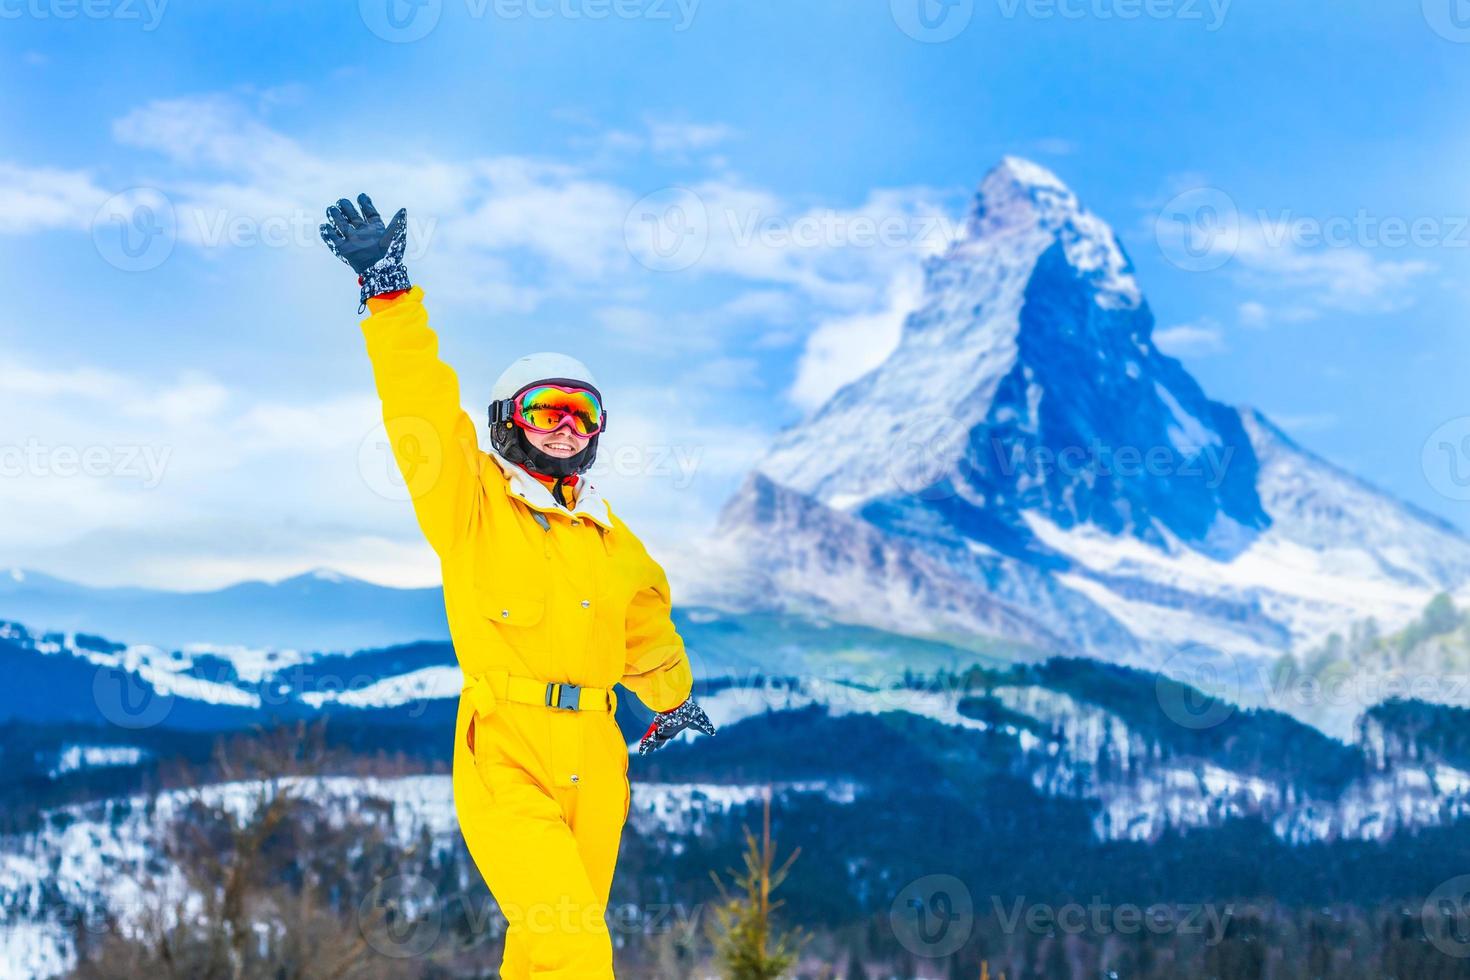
{"x":667,"y":724}
{"x":374,"y":252}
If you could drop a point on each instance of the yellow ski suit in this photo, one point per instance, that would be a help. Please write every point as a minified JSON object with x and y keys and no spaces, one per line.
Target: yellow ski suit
{"x":538,"y":597}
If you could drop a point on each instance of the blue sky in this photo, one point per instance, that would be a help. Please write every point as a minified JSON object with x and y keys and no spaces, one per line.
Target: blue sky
{"x":215,"y":394}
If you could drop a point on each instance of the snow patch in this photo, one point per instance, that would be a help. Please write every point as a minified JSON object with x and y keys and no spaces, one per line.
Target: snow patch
{"x":1188,"y":434}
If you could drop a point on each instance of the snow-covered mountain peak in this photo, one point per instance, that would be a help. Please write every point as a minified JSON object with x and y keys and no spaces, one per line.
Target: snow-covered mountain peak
{"x":1022,"y":205}
{"x":1018,"y":193}
{"x":1032,"y":337}
{"x":1028,"y":436}
{"x":326,"y":575}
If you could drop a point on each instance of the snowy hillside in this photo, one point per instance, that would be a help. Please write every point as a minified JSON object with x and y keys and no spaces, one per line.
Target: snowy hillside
{"x":1077,"y":753}
{"x":1143,"y":781}
{"x":1028,"y":463}
{"x":99,"y":862}
{"x":1069,"y":731}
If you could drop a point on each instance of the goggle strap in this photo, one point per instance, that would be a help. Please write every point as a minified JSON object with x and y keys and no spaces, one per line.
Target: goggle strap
{"x":559,"y":383}
{"x":501,"y":411}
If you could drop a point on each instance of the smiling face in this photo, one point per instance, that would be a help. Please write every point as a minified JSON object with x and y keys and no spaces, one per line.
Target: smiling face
{"x":562,"y":443}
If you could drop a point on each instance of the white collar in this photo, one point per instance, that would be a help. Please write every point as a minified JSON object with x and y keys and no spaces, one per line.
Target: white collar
{"x":589,"y":504}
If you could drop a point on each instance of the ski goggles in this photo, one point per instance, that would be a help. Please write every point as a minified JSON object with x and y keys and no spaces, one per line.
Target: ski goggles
{"x":547,"y":407}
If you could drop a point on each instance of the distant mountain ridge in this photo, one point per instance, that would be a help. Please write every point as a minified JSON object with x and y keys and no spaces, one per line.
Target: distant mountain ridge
{"x":319,"y":610}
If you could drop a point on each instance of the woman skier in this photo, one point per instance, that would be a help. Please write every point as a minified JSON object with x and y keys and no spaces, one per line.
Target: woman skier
{"x":551,"y":602}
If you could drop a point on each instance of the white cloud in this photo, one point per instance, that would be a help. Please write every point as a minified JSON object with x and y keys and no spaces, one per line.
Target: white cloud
{"x":39,"y":199}
{"x":477,"y":220}
{"x":1299,"y":267}
{"x":1191,"y":339}
{"x":471,"y":217}
{"x":846,"y":347}
{"x":215,"y":131}
{"x":725,"y":372}
{"x":255,"y":486}
{"x":639,"y":328}
{"x":770,"y":305}
{"x":1312,"y":422}
{"x":678,"y":139}
{"x":92,"y":454}
{"x":1347,"y":279}
{"x":670,"y":458}
{"x":1055,"y":146}
{"x":1256,"y":314}
{"x":676,"y":142}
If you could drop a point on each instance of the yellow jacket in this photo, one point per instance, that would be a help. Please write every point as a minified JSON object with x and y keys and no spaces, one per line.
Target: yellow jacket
{"x":578,"y":601}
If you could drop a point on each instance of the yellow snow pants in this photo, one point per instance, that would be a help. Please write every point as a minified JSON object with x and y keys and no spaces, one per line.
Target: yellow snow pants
{"x":547,"y":852}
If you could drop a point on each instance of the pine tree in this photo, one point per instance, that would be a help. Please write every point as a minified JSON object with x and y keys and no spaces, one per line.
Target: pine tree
{"x":746,"y":940}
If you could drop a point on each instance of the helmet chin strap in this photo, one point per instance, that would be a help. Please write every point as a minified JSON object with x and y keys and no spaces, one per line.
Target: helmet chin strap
{"x":555,"y":466}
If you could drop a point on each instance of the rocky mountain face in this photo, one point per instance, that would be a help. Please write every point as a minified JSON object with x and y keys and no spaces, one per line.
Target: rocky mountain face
{"x":1031,"y":453}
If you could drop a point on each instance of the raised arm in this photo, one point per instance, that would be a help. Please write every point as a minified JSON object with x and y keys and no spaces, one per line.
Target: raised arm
{"x":432,"y":438}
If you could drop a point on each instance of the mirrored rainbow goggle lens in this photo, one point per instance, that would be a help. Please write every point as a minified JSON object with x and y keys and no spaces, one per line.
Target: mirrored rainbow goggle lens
{"x":545,"y":407}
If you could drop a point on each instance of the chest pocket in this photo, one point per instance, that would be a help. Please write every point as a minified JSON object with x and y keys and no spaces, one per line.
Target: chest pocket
{"x":516,"y":617}
{"x":502,"y":607}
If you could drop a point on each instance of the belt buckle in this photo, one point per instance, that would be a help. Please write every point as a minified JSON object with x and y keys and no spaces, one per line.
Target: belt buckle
{"x":565,"y":697}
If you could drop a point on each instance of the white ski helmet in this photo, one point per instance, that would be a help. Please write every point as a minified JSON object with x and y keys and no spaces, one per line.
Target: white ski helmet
{"x":507,"y":437}
{"x":544,"y":366}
